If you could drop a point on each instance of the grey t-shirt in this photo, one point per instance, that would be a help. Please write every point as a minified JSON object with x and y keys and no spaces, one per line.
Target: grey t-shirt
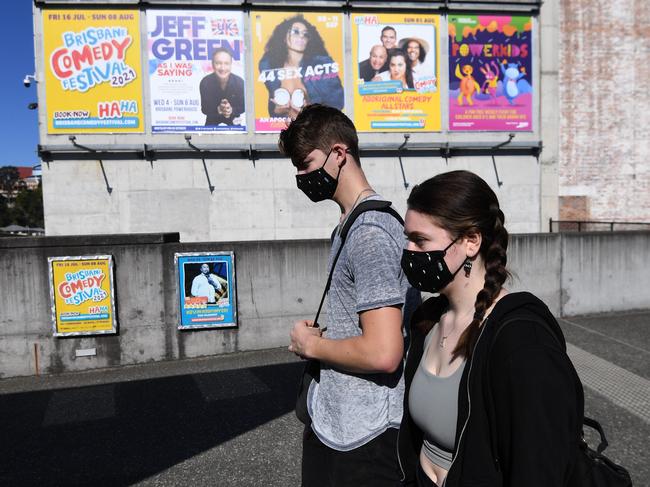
{"x":348,"y":409}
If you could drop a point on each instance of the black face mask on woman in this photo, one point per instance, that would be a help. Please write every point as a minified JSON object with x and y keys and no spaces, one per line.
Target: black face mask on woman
{"x":318,"y":185}
{"x":428,"y":271}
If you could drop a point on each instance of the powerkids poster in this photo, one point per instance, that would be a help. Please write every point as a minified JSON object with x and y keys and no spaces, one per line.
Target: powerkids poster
{"x":396,"y":78}
{"x":196,"y":71}
{"x":490,"y":73}
{"x":93,"y":79}
{"x":82,"y":295}
{"x":206,"y":289}
{"x":298,"y":60}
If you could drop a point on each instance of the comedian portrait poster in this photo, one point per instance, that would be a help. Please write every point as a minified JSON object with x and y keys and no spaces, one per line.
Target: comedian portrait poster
{"x":206,"y":289}
{"x":196,"y":71}
{"x":298,"y":60}
{"x":396,"y":72}
{"x":81,"y":290}
{"x":490,"y":72}
{"x":93,"y":78}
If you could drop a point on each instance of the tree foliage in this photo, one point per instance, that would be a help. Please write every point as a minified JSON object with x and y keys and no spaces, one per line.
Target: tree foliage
{"x":28,"y":208}
{"x":19,"y":205}
{"x":8,"y":178}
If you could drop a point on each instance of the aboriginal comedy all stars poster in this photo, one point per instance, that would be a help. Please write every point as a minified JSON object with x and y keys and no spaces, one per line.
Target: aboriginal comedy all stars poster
{"x":298,"y":60}
{"x":196,"y":71}
{"x":490,"y":73}
{"x":396,"y":72}
{"x":93,"y":81}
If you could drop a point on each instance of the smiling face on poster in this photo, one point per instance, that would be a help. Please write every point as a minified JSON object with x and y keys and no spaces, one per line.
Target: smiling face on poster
{"x":396,"y":72}
{"x":490,"y":72}
{"x":298,"y":60}
{"x":196,"y":71}
{"x":206,"y":289}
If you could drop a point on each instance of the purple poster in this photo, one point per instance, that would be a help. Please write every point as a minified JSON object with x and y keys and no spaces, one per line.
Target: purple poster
{"x":490,"y":73}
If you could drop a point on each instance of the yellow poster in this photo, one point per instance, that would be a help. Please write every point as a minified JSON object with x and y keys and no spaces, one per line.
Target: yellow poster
{"x":298,"y":60}
{"x":396,"y":59}
{"x":81,"y":289}
{"x":93,"y":74}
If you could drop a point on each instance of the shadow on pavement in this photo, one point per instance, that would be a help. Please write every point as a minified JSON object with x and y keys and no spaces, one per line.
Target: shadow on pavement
{"x":124,"y":432}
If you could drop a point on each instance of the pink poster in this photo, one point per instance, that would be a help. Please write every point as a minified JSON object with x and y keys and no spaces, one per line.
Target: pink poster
{"x":490,"y":73}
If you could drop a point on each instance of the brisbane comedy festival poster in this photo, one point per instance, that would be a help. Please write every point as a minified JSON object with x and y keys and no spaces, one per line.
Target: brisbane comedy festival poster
{"x":93,"y":81}
{"x":490,"y":73}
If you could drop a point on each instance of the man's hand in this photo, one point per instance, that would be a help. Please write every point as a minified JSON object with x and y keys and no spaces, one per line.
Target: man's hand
{"x":303,"y":335}
{"x":224,"y":108}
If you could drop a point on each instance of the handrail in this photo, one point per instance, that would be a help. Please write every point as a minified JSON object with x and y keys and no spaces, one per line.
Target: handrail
{"x":582,"y":225}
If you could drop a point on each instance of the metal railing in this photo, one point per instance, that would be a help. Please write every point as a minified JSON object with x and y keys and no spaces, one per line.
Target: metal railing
{"x":594,"y":226}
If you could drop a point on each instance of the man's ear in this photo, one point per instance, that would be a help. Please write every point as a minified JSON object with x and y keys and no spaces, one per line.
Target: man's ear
{"x":341,"y":152}
{"x":473,"y":242}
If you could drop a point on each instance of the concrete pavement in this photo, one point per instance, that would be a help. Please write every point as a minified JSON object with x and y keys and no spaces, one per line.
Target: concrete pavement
{"x":228,"y":420}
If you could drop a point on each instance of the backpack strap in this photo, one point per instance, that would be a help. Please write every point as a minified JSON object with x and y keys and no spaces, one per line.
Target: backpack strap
{"x":367,"y":205}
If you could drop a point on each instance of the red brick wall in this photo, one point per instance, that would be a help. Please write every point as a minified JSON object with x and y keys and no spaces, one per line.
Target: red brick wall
{"x":604,"y":77}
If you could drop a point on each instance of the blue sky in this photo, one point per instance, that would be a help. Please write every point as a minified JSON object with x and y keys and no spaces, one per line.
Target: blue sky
{"x":18,"y":126}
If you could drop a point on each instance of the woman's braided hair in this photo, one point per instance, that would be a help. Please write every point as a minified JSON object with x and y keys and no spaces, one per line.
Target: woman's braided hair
{"x":462,"y":203}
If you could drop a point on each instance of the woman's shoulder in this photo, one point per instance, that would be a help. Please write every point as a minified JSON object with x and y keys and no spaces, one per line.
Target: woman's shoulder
{"x":521,"y":320}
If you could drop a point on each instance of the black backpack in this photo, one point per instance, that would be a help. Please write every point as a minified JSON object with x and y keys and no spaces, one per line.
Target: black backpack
{"x":592,"y":468}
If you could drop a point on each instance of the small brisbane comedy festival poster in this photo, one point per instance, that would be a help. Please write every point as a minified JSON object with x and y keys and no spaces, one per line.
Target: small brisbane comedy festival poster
{"x":93,"y":79}
{"x":490,"y":73}
{"x":81,"y":290}
{"x":206,"y":289}
{"x":396,"y":72}
{"x":196,"y":71}
{"x":298,"y":60}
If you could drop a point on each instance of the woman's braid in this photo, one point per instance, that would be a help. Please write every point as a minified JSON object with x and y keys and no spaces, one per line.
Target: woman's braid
{"x":496,"y":243}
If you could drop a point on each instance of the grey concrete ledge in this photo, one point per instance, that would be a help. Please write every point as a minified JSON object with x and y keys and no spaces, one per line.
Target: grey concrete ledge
{"x":89,"y":240}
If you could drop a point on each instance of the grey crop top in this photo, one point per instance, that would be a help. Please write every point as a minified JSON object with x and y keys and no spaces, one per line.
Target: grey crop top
{"x":433,"y":404}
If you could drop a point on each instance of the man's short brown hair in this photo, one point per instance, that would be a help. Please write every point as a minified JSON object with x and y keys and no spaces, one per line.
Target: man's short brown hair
{"x":318,"y":127}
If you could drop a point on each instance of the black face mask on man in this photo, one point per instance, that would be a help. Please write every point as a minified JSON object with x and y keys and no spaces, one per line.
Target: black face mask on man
{"x":428,"y":271}
{"x":318,"y":185}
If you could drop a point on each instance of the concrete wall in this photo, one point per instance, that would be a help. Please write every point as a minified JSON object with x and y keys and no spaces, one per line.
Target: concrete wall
{"x":605,"y":272}
{"x":277,"y":283}
{"x":258,"y":202}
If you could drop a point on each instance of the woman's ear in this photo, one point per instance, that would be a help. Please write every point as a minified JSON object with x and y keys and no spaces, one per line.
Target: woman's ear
{"x":473,"y":244}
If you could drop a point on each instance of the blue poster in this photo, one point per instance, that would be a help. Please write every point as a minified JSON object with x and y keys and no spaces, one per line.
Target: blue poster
{"x":206,"y":285}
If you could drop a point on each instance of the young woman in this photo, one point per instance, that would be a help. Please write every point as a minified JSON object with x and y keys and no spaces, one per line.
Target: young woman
{"x":399,"y":68}
{"x":298,"y":69}
{"x":491,"y":396}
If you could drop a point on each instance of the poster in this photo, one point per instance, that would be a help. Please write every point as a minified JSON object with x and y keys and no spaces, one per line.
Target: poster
{"x":82,"y":295}
{"x":206,"y":285}
{"x":396,"y":79}
{"x":298,"y":60}
{"x":93,"y":79}
{"x":490,"y":73}
{"x":196,"y":71}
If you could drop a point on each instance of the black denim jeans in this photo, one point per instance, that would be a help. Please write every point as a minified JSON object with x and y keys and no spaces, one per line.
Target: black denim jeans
{"x":373,"y":464}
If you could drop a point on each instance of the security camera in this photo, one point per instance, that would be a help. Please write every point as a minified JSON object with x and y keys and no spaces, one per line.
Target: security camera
{"x":27,"y":81}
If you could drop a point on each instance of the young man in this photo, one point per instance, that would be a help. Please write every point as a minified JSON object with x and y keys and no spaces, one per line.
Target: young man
{"x":357,"y":404}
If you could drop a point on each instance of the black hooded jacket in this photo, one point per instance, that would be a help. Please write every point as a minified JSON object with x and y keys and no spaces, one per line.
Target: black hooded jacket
{"x":519,"y":413}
